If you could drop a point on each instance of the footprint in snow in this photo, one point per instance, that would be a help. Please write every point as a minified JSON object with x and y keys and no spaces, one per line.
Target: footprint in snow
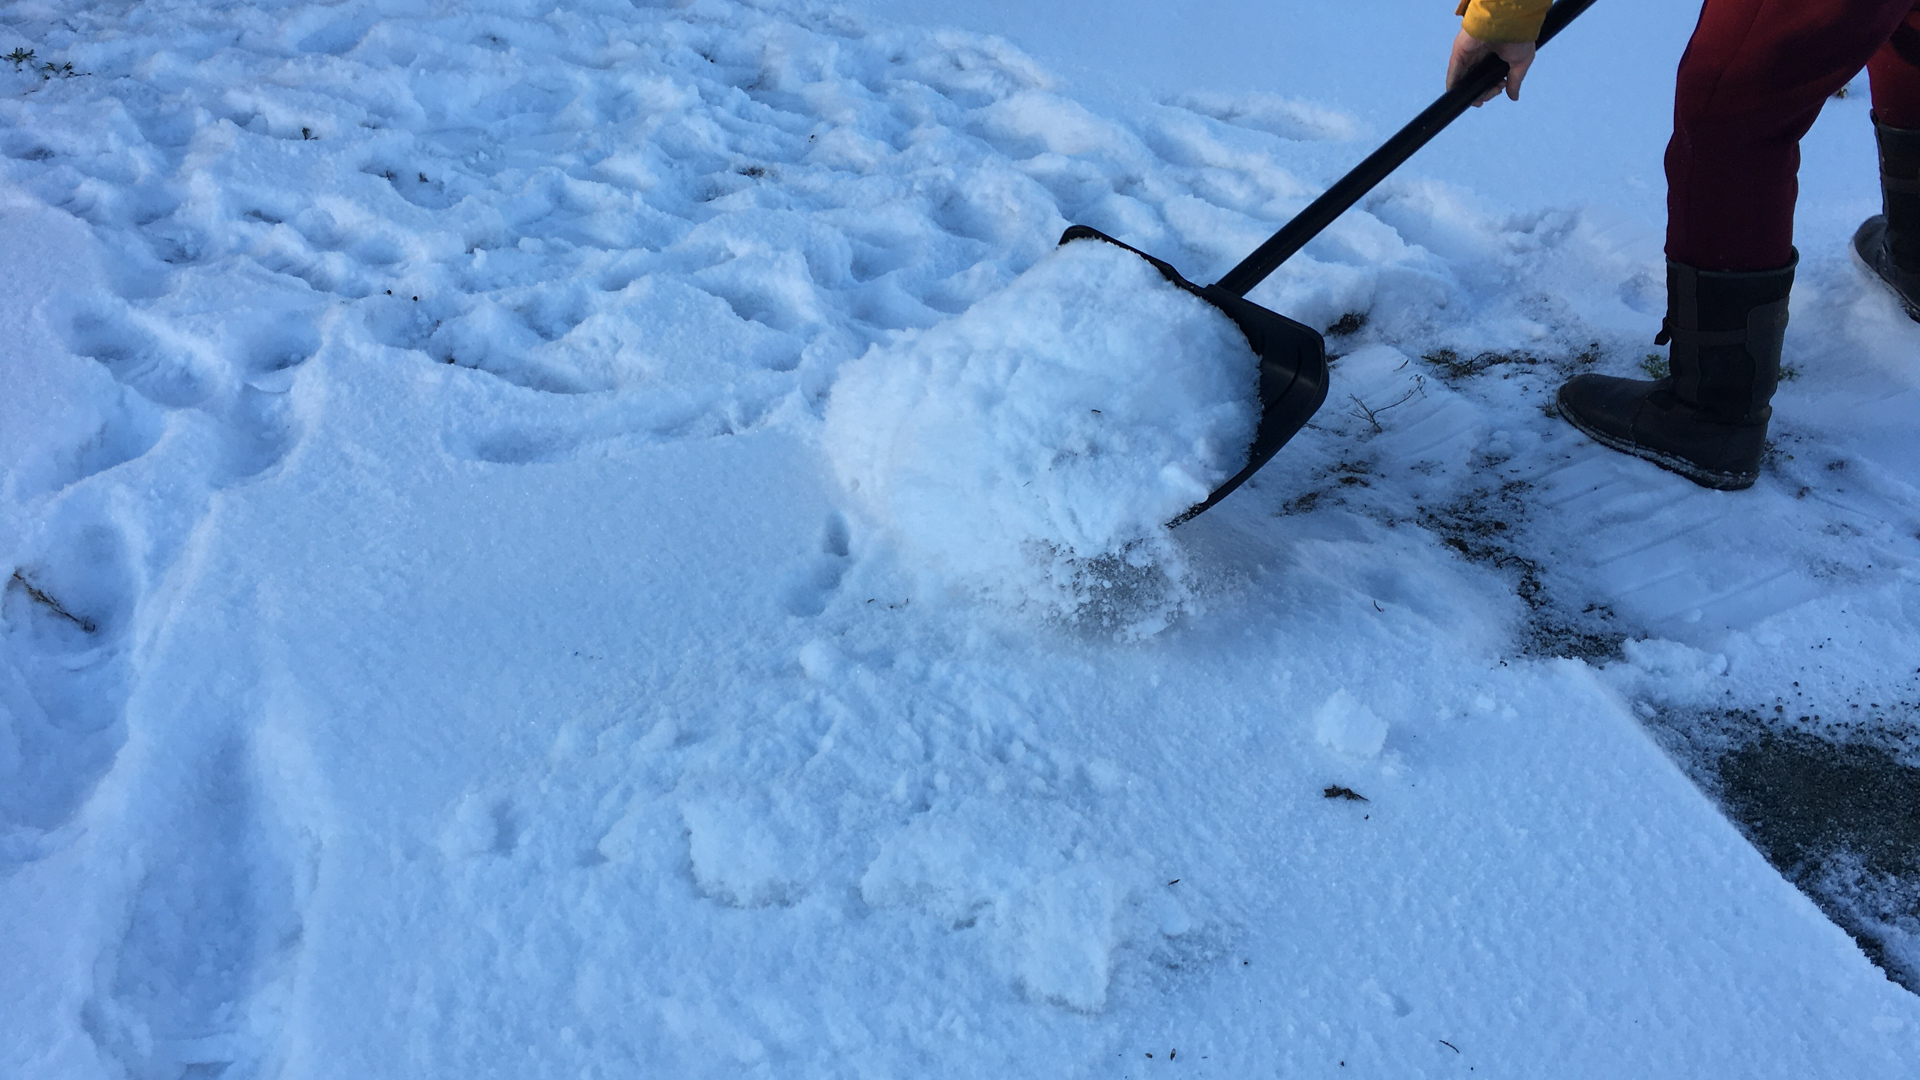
{"x":64,"y":677}
{"x":212,"y":935}
{"x":157,"y":366}
{"x":812,"y":587}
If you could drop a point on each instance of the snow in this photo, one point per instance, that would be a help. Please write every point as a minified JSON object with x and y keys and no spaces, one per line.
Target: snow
{"x":1346,"y":726}
{"x":1052,"y":427}
{"x":437,"y":641}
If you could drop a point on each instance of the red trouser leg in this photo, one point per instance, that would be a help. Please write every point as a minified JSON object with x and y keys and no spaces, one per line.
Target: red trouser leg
{"x":1752,"y":81}
{"x":1896,"y":78}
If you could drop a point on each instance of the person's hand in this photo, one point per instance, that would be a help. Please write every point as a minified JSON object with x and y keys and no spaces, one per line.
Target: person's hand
{"x":1469,"y":50}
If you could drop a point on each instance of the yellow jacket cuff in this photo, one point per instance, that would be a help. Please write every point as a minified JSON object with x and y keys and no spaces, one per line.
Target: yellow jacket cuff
{"x":1503,"y":20}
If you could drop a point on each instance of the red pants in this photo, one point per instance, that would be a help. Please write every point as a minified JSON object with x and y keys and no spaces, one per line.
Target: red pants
{"x":1752,"y":81}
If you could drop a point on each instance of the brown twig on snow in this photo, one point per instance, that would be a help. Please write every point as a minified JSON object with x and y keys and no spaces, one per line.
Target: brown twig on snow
{"x":40,"y":596}
{"x":1372,"y":416}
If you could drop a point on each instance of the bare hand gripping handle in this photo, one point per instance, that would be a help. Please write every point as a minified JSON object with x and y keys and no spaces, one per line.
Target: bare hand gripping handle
{"x":1353,"y":187}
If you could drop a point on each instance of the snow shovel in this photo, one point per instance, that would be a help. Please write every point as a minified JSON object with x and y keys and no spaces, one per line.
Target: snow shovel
{"x":1293,"y":356}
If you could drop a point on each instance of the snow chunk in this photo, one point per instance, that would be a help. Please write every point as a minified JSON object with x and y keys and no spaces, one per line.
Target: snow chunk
{"x":1346,"y":726}
{"x":1068,"y":937}
{"x":819,"y":660}
{"x":1062,"y":421}
{"x":1672,"y":659}
{"x":743,"y":857}
{"x":481,"y":825}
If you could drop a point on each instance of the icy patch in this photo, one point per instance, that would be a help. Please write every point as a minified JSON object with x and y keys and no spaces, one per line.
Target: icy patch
{"x":1034,"y":447}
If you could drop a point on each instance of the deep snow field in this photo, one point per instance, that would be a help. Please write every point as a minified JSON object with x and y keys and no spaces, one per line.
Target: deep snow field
{"x":437,"y":640}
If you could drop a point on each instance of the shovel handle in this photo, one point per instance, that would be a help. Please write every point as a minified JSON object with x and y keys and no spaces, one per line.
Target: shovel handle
{"x":1353,"y":187}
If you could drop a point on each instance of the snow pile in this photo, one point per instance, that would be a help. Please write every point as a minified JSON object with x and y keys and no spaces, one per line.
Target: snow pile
{"x":1055,"y":426}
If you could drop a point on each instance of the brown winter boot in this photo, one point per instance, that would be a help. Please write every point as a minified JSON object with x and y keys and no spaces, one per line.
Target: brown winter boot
{"x":1707,"y":420}
{"x":1889,"y":243}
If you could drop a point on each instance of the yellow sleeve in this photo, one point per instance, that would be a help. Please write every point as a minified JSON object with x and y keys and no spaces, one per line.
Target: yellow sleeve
{"x":1503,"y":20}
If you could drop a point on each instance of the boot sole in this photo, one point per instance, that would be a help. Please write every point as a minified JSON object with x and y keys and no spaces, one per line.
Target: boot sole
{"x":1717,"y":481}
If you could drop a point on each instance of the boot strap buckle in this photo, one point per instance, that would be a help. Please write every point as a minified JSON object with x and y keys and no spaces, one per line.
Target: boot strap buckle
{"x":1703,"y":339}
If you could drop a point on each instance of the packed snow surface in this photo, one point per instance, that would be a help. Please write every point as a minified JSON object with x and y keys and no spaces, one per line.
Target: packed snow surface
{"x":434,"y":642}
{"x":1064,"y":419}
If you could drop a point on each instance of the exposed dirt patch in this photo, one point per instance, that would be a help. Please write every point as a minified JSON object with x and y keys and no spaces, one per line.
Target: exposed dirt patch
{"x":1832,"y":802}
{"x":1485,"y":527}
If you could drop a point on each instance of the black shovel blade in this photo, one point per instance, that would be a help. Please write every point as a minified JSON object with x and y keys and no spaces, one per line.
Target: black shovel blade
{"x":1293,"y":367}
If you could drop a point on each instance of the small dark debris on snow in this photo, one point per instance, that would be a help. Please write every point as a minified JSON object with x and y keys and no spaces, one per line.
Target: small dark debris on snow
{"x":39,"y":596}
{"x":1335,"y":791}
{"x":1482,"y":526}
{"x":1451,"y":365}
{"x":1372,"y":415}
{"x":1351,"y":323}
{"x":1449,"y":1046}
{"x":1300,"y":505}
{"x":48,"y":70}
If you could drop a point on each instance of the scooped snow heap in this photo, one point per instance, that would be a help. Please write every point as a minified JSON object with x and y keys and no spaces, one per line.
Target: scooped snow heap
{"x":1035,"y":446}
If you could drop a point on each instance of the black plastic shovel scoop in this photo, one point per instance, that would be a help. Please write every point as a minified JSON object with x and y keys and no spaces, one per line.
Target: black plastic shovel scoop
{"x":1293,"y":356}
